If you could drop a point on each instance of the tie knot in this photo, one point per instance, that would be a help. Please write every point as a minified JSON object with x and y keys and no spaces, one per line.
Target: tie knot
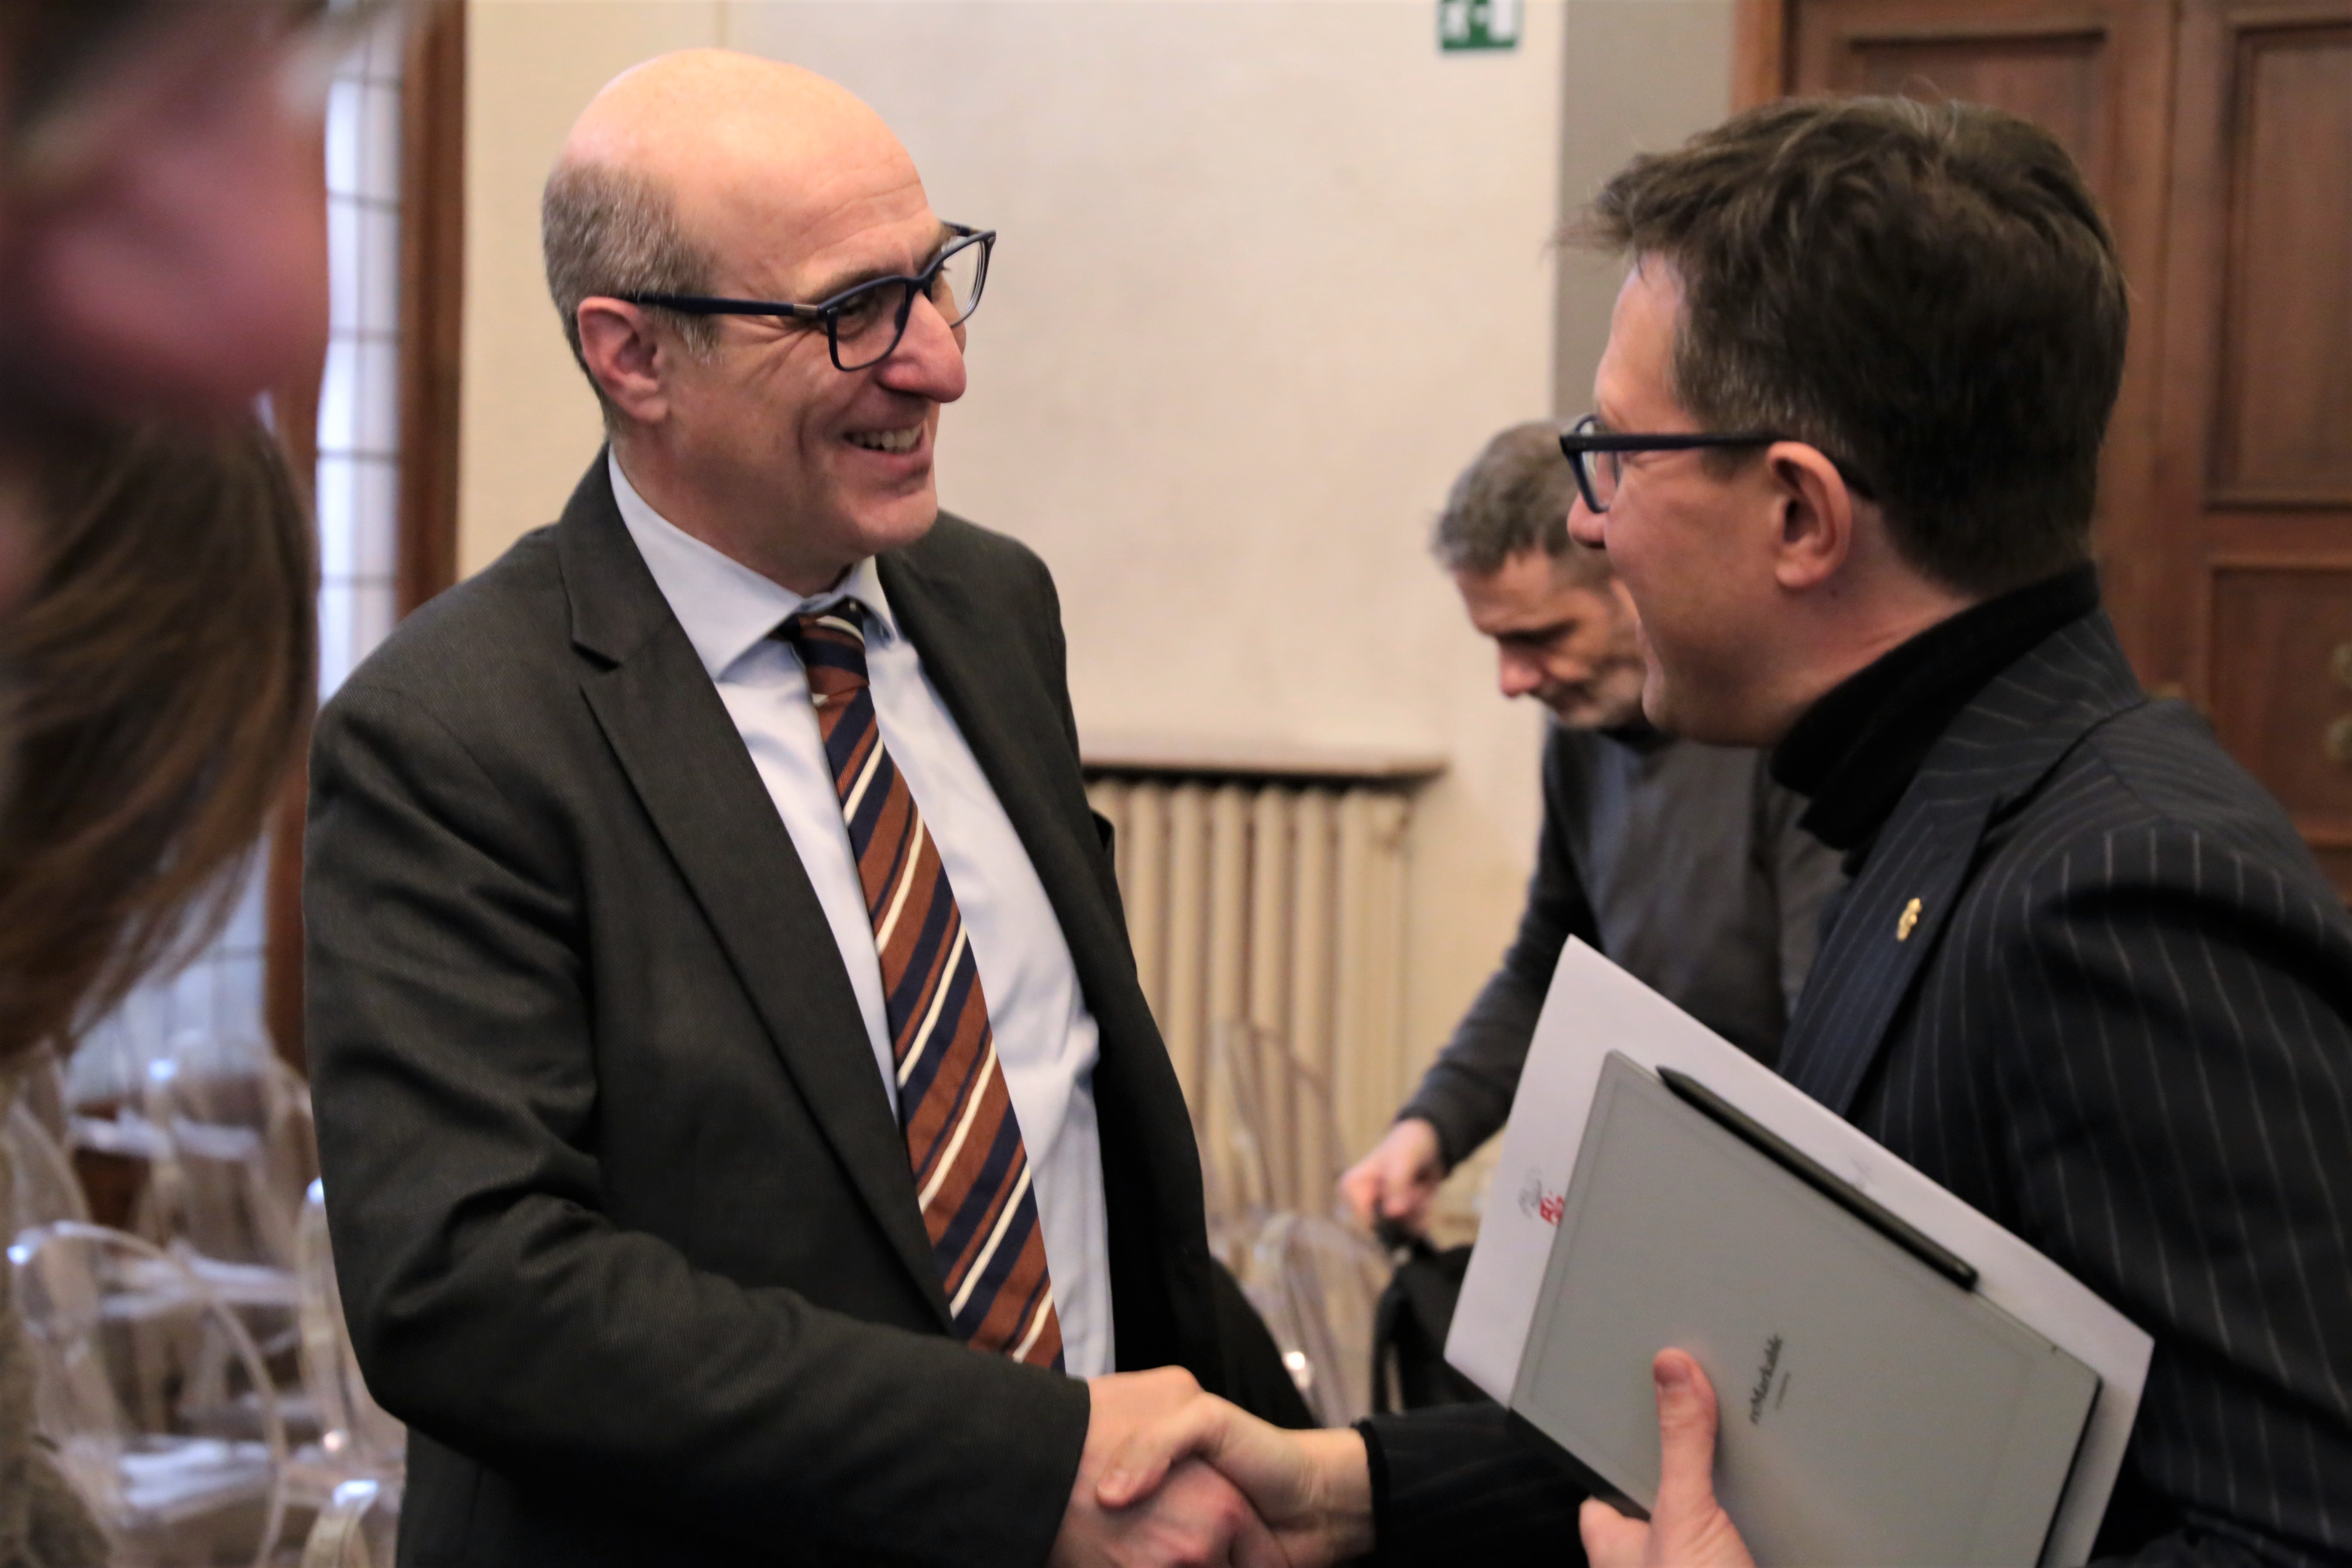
{"x":832,"y":646}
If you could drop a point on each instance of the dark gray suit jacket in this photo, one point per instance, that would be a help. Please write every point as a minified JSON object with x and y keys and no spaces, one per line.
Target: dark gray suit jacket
{"x":624,"y":1224}
{"x":2122,"y":1027}
{"x":1685,"y":864}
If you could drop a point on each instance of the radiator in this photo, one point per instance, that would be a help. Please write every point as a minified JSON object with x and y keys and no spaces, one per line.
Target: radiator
{"x":1275,"y":908}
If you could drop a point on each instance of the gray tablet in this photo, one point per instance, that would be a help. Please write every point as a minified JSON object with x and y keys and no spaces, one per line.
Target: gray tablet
{"x":1874,"y":1408}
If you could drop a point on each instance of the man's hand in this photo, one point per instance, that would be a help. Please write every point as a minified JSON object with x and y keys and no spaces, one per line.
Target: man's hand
{"x":1313,"y":1489}
{"x":1196,"y":1520}
{"x":1688,"y":1529}
{"x":1398,"y":1178}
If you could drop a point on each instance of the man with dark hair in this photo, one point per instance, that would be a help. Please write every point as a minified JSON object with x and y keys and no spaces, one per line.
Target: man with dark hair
{"x":2086,"y":975}
{"x":1682,"y":862}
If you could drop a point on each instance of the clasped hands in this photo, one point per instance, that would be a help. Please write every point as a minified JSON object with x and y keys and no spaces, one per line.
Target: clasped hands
{"x":1172,"y":1476}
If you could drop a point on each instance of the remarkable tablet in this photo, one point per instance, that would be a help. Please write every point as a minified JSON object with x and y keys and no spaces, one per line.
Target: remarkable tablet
{"x":1874,"y":1408}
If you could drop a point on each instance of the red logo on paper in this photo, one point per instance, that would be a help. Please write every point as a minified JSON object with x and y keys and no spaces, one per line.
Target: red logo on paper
{"x":1538,"y":1203}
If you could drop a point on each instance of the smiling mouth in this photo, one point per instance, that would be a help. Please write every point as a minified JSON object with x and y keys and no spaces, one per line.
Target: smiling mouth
{"x":893,"y":441}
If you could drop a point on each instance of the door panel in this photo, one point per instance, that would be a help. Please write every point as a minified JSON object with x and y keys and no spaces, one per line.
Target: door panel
{"x":2056,"y":80}
{"x":2285,"y":431}
{"x":2282,"y":687}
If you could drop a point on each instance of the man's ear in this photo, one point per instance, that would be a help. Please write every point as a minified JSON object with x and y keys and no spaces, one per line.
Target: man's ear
{"x":1816,"y":512}
{"x":626,"y":356}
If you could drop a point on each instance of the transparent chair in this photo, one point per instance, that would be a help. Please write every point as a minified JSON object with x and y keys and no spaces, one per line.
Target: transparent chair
{"x":153,"y":1397}
{"x":236,"y":1149}
{"x":1238,"y":1167}
{"x":1270,"y":1149}
{"x":239,"y":1151}
{"x":358,"y":1527}
{"x":357,"y":1440}
{"x":41,"y":1088}
{"x":1313,"y":1152}
{"x":1317,"y":1282}
{"x":43,"y":1188}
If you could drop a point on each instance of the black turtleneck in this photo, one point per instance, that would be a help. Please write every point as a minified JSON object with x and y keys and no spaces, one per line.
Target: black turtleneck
{"x":1856,"y":750}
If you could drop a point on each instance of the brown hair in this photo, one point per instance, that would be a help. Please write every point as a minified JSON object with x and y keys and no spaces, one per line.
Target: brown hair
{"x":1513,"y":498}
{"x":1926,"y":292}
{"x":605,"y":231}
{"x":160,"y":674}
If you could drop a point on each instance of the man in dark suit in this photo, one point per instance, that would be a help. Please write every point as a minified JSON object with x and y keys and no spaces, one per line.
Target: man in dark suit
{"x":2086,"y":975}
{"x":744,"y":1136}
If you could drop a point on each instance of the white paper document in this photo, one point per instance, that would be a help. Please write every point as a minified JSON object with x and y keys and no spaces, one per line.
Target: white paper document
{"x":1595,"y":1007}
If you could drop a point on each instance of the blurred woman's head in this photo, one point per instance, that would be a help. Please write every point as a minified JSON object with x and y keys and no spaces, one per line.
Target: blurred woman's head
{"x":163,"y":204}
{"x":160,"y":679}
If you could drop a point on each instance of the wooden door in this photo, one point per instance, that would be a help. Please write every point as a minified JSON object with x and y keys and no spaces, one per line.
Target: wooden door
{"x":2254,"y":474}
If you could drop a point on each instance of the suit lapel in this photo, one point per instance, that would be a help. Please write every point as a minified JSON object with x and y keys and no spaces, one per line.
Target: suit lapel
{"x":682,"y":755}
{"x":1994,"y":755}
{"x":1885,"y":925}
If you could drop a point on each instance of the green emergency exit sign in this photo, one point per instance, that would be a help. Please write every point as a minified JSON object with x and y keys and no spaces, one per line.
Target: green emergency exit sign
{"x":1478,"y":24}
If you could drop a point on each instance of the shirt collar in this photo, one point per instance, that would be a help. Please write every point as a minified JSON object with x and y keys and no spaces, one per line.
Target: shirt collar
{"x":726,"y":608}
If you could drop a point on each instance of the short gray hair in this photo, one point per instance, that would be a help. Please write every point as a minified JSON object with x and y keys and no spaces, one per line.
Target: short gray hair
{"x":608,"y":231}
{"x":1514,"y":497}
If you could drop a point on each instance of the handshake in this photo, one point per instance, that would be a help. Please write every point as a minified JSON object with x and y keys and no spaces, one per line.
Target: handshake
{"x":1175,"y":1477}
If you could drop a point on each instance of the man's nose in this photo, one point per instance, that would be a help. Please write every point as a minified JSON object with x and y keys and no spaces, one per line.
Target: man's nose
{"x":1587,"y":527}
{"x":1516,"y":673}
{"x":928,"y":359}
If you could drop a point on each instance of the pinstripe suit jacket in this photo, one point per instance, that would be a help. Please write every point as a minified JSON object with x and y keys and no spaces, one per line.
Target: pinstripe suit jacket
{"x":2122,"y":1027}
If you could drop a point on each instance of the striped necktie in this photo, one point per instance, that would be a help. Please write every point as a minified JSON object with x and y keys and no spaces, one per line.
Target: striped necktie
{"x":971,"y":1171}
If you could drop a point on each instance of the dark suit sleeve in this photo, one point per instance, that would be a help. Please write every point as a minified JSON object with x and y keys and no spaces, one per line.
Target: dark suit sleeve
{"x":2169,"y":1037}
{"x":1466,"y":1093}
{"x":1453,"y":1484}
{"x":497,"y":1302}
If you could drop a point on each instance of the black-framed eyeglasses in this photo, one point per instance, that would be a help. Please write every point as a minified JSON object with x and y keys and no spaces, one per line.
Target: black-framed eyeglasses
{"x":863,"y":324}
{"x":1598,"y":455}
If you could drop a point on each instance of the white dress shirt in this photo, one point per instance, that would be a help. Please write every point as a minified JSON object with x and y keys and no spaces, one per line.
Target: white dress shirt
{"x":1046,"y":1041}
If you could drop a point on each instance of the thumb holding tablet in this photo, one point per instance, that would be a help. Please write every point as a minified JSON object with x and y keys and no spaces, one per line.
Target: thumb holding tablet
{"x":1688,"y":1529}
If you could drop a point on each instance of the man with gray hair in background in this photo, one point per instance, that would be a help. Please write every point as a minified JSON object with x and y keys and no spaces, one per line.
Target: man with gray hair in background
{"x":1682,"y":862}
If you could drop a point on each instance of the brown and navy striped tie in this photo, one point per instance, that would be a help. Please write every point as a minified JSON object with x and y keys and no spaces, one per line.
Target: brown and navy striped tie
{"x":971,"y":1171}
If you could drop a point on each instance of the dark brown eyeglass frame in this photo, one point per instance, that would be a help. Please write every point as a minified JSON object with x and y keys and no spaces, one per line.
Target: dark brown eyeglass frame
{"x":830,"y":311}
{"x":1585,"y":439}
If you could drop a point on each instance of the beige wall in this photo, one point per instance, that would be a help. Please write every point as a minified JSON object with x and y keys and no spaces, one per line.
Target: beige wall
{"x":1639,"y":75}
{"x":1271,"y":271}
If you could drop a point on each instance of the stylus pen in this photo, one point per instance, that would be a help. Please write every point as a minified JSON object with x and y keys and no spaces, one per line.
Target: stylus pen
{"x":1802,"y":1166}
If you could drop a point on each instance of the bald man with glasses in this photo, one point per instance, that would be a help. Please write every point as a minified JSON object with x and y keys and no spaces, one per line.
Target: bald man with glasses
{"x":744,"y":1135}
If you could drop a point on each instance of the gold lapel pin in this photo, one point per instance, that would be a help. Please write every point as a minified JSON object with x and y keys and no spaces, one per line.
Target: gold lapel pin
{"x":1909,"y":918}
